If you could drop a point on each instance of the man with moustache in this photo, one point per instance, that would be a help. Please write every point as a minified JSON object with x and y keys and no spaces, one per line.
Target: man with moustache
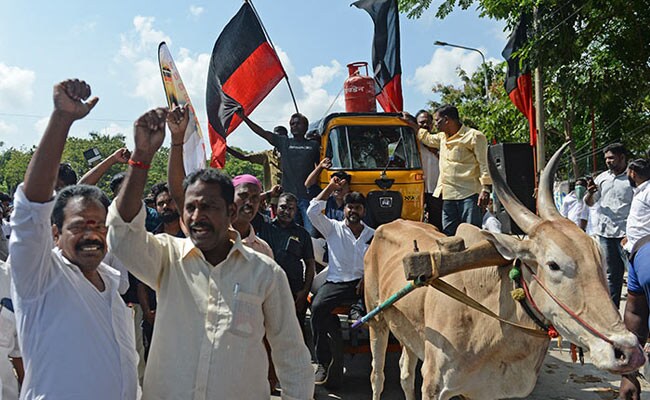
{"x":75,"y":332}
{"x":291,"y":245}
{"x":347,"y":243}
{"x":167,"y":211}
{"x":217,"y":298}
{"x":611,"y":194}
{"x":248,"y":190}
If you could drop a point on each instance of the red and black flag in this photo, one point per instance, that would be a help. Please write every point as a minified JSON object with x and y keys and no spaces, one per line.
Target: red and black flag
{"x":518,"y":82}
{"x":385,"y":52}
{"x":244,"y":68}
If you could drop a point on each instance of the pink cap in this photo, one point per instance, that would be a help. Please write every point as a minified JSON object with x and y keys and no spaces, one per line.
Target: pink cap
{"x":246,"y":178}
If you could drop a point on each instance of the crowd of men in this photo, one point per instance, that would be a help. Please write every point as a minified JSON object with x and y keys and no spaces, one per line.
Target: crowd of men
{"x":202,"y":290}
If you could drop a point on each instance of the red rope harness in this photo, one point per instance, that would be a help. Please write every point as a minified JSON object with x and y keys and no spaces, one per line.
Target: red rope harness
{"x":559,"y":303}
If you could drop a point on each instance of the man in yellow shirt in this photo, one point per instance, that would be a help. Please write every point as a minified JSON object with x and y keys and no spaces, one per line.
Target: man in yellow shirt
{"x":464,"y":182}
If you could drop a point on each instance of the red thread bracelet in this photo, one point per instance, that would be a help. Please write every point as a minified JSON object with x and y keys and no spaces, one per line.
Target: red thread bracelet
{"x":139,"y":164}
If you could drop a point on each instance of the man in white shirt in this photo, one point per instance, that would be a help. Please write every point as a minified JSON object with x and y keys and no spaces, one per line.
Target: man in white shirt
{"x":638,"y":222}
{"x":573,"y":206}
{"x":10,"y":358}
{"x":490,"y":222}
{"x":612,"y":194}
{"x":347,"y":243}
{"x":217,"y":298}
{"x":74,"y":330}
{"x":637,"y":307}
{"x":431,"y":168}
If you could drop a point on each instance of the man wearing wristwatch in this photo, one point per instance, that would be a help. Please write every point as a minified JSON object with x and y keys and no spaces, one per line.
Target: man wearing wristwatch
{"x":464,"y":183}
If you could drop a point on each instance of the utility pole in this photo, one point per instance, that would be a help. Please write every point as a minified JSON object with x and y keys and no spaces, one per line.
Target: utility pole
{"x":539,"y":110}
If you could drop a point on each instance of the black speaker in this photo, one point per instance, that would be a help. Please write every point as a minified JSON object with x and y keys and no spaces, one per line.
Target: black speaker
{"x":514,"y":161}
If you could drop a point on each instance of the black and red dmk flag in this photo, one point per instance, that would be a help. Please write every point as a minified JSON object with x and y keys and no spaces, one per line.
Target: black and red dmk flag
{"x":518,"y":82}
{"x":244,"y":68}
{"x":385,"y":52}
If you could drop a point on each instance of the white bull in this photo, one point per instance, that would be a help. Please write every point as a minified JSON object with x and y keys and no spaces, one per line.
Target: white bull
{"x":468,"y":354}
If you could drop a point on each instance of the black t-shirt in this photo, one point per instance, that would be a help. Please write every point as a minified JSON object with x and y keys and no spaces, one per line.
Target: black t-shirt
{"x":290,"y":245}
{"x":297,"y":158}
{"x":131,"y":295}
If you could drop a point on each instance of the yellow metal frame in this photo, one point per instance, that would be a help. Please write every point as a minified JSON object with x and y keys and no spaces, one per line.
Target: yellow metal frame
{"x":409,"y":182}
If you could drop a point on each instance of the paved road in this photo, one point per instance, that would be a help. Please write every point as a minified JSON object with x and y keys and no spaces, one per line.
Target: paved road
{"x":559,"y":379}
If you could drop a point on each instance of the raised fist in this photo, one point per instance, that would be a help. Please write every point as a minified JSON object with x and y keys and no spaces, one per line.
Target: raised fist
{"x":178,"y":119}
{"x":69,"y":99}
{"x":121,"y":155}
{"x":150,"y":132}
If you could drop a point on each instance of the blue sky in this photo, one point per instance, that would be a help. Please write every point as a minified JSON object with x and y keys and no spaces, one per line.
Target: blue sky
{"x":113,"y":46}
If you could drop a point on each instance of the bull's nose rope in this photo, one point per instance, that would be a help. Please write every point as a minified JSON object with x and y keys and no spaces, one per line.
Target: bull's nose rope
{"x":574,"y":315}
{"x":521,"y":293}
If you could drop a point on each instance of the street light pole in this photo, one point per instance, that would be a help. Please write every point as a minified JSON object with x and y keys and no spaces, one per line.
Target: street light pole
{"x":485,"y":66}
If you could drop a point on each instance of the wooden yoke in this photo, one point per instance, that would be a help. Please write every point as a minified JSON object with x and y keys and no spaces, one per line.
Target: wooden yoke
{"x":450,"y":257}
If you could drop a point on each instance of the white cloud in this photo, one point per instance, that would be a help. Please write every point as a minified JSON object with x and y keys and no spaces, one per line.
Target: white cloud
{"x":7,"y":130}
{"x":194,"y":72}
{"x":148,"y":82}
{"x":142,"y":38}
{"x":16,"y":86}
{"x":196,"y":10}
{"x":114,"y":128}
{"x":320,"y":75}
{"x":41,"y":124}
{"x":443,"y":69}
{"x":313,"y":98}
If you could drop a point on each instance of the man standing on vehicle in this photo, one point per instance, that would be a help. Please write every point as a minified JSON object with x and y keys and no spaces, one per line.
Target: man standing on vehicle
{"x":298,"y":157}
{"x":431,"y":167}
{"x":464,"y":182}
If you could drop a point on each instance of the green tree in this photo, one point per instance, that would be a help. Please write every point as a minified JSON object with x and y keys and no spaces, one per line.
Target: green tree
{"x":14,"y":162}
{"x":106,"y":144}
{"x":13,"y":165}
{"x":498,"y":118}
{"x":594,"y":58}
{"x":236,"y":167}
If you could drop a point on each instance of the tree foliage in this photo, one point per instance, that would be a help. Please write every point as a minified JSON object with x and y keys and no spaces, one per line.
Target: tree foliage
{"x":497,"y":118}
{"x":595,"y":60}
{"x":14,"y":162}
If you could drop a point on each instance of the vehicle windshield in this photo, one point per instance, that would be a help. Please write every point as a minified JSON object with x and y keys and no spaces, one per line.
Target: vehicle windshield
{"x":372,"y":147}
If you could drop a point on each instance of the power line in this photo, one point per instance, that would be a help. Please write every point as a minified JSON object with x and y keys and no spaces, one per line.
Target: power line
{"x":561,"y":22}
{"x":34,"y":116}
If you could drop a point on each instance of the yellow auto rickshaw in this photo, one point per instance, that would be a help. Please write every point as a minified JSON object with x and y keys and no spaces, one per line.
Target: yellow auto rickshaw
{"x":381,"y":153}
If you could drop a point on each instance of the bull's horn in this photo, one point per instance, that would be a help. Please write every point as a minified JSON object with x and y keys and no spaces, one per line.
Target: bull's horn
{"x":517,"y":211}
{"x":545,"y":202}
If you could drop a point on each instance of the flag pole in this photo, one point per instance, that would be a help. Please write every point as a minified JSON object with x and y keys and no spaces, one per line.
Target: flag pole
{"x":286,"y":77}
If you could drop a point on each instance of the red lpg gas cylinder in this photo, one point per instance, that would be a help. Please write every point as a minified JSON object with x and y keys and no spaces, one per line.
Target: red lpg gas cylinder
{"x":359,"y":90}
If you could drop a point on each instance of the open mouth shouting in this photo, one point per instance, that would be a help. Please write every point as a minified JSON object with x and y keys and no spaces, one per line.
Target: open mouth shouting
{"x":90,"y":246}
{"x":200,"y":230}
